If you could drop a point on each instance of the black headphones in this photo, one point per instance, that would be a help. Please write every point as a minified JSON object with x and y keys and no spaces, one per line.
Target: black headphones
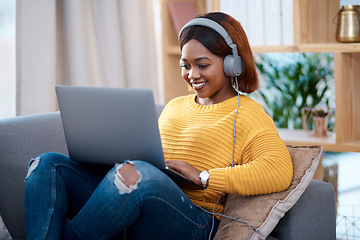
{"x":233,"y":64}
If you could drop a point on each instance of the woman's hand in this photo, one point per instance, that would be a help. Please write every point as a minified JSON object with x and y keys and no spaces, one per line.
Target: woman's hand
{"x":185,"y":169}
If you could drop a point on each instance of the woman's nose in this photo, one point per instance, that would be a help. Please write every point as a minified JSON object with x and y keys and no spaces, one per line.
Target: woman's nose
{"x":194,"y":73}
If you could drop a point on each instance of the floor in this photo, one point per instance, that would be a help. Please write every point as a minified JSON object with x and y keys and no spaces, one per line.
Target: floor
{"x":348,"y":209}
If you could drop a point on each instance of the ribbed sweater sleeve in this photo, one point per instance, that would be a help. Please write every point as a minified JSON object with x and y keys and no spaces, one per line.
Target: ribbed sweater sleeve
{"x":266,"y":168}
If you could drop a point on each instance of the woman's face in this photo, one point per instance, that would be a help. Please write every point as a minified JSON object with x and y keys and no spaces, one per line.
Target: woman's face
{"x":203,"y":71}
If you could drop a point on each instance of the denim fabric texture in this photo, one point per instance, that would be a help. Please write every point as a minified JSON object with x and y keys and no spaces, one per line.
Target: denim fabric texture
{"x":58,"y":189}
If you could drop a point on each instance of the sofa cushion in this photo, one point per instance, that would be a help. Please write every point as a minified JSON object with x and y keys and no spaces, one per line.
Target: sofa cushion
{"x":4,"y":233}
{"x":263,"y":212}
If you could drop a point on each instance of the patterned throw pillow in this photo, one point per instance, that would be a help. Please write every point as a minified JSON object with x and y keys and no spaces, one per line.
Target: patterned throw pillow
{"x":263,"y":212}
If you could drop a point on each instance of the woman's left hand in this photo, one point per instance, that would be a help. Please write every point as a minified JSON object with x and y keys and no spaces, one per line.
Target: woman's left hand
{"x":185,"y":169}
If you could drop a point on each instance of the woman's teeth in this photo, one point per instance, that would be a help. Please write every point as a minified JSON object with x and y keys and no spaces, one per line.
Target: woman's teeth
{"x":198,"y":85}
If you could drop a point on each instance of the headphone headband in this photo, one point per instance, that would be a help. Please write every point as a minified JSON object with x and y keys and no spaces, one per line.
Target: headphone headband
{"x":213,"y":25}
{"x":210,"y":24}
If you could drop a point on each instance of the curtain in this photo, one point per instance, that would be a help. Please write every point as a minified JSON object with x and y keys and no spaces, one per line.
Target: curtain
{"x":107,"y":43}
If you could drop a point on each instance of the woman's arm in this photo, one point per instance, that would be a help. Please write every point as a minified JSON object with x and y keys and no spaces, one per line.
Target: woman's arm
{"x":266,"y":167}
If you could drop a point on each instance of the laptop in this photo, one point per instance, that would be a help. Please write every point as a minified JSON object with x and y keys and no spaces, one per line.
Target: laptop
{"x":111,"y":125}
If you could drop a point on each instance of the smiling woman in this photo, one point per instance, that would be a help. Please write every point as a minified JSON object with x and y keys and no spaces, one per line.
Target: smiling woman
{"x":7,"y":58}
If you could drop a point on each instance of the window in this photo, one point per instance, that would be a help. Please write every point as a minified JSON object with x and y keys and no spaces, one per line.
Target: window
{"x":7,"y":58}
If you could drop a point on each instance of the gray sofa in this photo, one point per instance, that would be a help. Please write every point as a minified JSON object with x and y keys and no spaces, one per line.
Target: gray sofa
{"x":21,"y":138}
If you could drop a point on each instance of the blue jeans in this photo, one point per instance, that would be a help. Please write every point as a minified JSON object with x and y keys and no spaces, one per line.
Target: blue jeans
{"x":58,"y":189}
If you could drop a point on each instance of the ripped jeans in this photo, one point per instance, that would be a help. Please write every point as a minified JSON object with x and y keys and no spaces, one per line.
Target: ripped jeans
{"x":98,"y":207}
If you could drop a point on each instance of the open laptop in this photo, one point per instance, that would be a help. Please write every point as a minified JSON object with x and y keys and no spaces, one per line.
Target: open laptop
{"x":112,"y":125}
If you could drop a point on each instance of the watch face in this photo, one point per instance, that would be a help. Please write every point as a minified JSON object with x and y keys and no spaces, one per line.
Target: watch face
{"x":204,"y":175}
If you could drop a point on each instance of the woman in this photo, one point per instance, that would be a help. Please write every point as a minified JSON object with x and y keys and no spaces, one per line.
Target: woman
{"x":219,"y":139}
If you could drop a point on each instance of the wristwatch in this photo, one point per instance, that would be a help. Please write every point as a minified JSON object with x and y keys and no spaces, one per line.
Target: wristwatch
{"x":204,"y":177}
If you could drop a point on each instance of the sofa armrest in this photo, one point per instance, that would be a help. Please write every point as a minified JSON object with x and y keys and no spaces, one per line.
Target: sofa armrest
{"x":21,"y":139}
{"x":312,"y":217}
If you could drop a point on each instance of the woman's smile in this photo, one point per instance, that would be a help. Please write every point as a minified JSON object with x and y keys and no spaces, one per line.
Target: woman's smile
{"x":197,"y":85}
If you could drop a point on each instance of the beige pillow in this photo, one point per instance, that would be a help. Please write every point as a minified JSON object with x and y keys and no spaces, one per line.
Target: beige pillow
{"x":263,"y":212}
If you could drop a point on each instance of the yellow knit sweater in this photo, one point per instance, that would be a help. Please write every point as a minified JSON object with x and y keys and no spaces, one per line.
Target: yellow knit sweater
{"x":203,"y":137}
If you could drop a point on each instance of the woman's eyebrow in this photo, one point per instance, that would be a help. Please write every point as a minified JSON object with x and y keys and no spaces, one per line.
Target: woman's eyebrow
{"x":202,"y":58}
{"x":196,"y":59}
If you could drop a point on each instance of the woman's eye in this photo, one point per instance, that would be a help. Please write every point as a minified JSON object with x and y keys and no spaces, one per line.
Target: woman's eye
{"x":186,"y":66}
{"x":203,"y":66}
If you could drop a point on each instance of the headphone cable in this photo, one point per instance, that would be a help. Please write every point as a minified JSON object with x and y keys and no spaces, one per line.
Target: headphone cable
{"x":232,"y":165}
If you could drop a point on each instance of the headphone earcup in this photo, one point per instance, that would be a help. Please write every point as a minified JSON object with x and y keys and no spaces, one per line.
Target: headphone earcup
{"x":232,"y":65}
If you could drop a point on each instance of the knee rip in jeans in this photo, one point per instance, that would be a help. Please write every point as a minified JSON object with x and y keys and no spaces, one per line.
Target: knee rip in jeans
{"x":127,"y":180}
{"x":34,"y":162}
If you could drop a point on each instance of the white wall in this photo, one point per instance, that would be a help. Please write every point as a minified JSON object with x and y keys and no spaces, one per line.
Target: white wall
{"x":349,"y":2}
{"x":7,"y":58}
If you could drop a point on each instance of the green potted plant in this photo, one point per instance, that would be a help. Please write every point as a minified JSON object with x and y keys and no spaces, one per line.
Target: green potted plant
{"x":290,"y":82}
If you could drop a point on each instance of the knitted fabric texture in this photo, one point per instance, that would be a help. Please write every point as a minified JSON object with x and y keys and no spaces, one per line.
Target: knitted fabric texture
{"x":203,"y":136}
